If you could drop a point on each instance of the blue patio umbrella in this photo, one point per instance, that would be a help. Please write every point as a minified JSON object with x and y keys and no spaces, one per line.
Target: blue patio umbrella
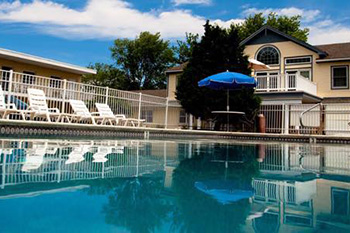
{"x":228,"y":81}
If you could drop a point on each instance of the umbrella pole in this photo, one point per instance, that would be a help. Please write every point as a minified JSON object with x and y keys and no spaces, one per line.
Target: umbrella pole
{"x":228,"y":109}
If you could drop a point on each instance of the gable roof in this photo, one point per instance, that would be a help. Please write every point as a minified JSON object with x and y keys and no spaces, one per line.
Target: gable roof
{"x":267,"y":28}
{"x":339,"y":51}
{"x":44,"y":62}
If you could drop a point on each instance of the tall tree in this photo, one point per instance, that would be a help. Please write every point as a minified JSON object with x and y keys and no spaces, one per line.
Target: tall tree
{"x":143,"y":60}
{"x":107,"y":75}
{"x":289,"y":25}
{"x":183,"y":49}
{"x":217,"y":51}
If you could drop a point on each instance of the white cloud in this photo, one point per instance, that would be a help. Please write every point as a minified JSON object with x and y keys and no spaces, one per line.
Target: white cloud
{"x":307,"y":15}
{"x":333,"y":33}
{"x":101,"y":19}
{"x":191,"y":2}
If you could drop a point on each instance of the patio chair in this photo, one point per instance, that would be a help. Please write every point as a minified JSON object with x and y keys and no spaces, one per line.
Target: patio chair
{"x":106,"y":111}
{"x":38,"y":107}
{"x":6,"y":109}
{"x":81,"y":112}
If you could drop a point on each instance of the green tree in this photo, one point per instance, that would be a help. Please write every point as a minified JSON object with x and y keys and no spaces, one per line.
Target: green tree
{"x":107,"y":75}
{"x":143,"y":60}
{"x":217,"y":51}
{"x":289,"y":25}
{"x":183,"y":49}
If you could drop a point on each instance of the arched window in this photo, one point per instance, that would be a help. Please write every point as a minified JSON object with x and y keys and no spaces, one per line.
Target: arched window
{"x":268,"y":56}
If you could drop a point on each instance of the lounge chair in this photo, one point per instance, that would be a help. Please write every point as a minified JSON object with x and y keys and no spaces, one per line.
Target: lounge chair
{"x":81,"y":112}
{"x":39,"y":108}
{"x":105,"y":111}
{"x":7,"y":109}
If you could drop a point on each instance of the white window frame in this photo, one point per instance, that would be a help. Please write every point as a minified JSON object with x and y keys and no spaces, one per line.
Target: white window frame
{"x":267,"y":46}
{"x":292,"y":64}
{"x":347,"y":77}
{"x":298,"y":72}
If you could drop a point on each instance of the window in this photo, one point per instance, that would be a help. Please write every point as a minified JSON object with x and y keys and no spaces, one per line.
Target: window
{"x":269,"y":56}
{"x":147,"y":115}
{"x":298,"y":60}
{"x":340,"y":201}
{"x":5,"y":76}
{"x":340,"y":77}
{"x":306,"y":73}
{"x":183,"y":117}
{"x":55,"y":82}
{"x":28,"y":77}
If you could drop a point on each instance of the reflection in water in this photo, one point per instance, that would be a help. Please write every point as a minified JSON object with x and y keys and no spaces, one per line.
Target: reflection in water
{"x":174,"y":186}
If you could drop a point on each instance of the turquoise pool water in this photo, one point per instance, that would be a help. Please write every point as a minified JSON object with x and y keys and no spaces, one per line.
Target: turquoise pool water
{"x":173,"y":186}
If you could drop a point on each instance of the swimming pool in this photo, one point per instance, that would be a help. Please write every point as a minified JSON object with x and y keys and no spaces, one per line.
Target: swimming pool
{"x":173,"y":186}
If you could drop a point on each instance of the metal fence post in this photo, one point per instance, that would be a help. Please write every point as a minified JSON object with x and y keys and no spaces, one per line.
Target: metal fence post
{"x":64,"y":95}
{"x":107,"y":92}
{"x":286,"y":118}
{"x":140,"y":101}
{"x":9,"y":90}
{"x":166,"y":113}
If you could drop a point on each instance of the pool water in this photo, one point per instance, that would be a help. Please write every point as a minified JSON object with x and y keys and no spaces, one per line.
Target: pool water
{"x":173,"y":186}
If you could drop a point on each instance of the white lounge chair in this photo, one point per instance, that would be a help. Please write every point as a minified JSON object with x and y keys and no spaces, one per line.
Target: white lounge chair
{"x":7,"y":109}
{"x":105,"y":111}
{"x":77,"y":154}
{"x":39,"y":108}
{"x":81,"y":112}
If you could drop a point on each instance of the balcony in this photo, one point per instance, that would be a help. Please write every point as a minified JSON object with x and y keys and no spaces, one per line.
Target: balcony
{"x":286,"y":82}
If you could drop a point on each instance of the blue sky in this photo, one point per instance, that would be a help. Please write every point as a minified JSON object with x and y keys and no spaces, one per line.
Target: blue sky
{"x":81,"y":31}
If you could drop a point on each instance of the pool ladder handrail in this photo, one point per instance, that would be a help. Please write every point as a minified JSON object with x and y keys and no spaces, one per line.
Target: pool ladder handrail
{"x":306,"y":111}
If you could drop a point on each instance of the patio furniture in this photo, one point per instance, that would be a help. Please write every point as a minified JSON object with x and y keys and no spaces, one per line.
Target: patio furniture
{"x":38,"y":107}
{"x":105,"y":111}
{"x":82,"y":113}
{"x":6,"y":109}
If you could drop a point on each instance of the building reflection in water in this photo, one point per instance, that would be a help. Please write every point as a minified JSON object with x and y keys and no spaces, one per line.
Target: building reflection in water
{"x":298,"y":187}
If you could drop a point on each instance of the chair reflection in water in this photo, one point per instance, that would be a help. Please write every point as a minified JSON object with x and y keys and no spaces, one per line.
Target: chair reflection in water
{"x":77,"y":154}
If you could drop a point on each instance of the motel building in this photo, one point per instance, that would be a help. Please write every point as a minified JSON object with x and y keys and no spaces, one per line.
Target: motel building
{"x":296,"y":76}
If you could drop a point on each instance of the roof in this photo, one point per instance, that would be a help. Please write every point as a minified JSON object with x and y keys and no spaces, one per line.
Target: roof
{"x":177,"y":69}
{"x":44,"y":62}
{"x":340,"y":51}
{"x":282,"y":34}
{"x":159,"y":92}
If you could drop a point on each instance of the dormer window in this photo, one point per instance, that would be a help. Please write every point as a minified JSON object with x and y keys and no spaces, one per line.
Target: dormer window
{"x":269,"y":56}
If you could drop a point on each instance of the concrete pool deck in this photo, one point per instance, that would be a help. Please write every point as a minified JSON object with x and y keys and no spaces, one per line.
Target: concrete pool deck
{"x":34,"y":129}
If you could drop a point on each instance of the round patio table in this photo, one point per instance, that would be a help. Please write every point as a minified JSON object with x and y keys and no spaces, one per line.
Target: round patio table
{"x":228,"y":113}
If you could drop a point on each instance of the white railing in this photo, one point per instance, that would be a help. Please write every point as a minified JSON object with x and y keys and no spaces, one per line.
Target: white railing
{"x":60,"y":91}
{"x":329,"y":119}
{"x":287,"y":82}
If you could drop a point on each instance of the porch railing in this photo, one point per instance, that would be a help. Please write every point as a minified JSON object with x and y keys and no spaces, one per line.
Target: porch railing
{"x":287,"y":82}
